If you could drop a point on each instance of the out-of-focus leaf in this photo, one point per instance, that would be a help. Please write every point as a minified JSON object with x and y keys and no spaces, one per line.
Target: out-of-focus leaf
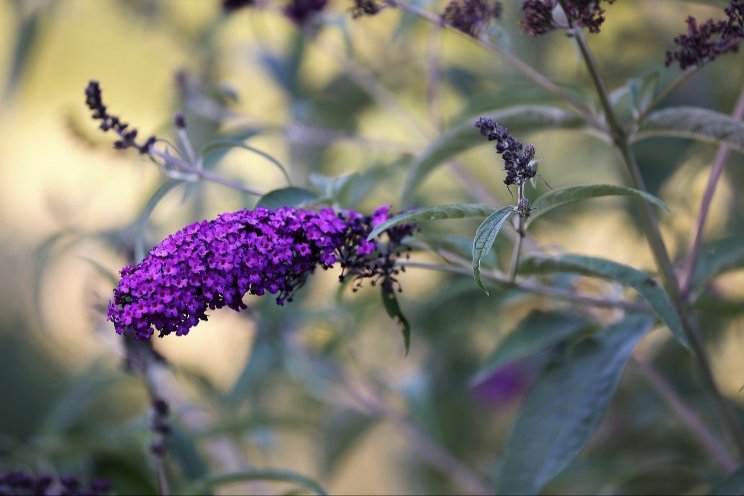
{"x":607,"y":269}
{"x":392,"y":307}
{"x":211,"y":153}
{"x":644,"y":90}
{"x":559,"y":197}
{"x":342,"y":433}
{"x":695,"y":123}
{"x":565,"y":406}
{"x":717,"y":258}
{"x":264,"y":360}
{"x":484,"y":238}
{"x":76,"y":398}
{"x":222,"y":145}
{"x":28,"y":29}
{"x":207,"y":485}
{"x":535,"y":333}
{"x":332,"y":188}
{"x":733,"y":485}
{"x":286,"y":197}
{"x":141,"y":223}
{"x":184,"y":452}
{"x":463,"y":136}
{"x":455,"y":211}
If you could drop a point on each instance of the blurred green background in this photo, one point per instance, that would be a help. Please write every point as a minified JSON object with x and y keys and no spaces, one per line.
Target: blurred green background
{"x":301,"y":387}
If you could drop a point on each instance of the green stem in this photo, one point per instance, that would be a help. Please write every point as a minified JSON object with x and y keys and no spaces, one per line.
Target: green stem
{"x":517,"y":250}
{"x":653,"y":234}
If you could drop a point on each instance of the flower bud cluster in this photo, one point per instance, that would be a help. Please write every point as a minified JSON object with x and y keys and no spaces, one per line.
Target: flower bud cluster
{"x":471,"y":16}
{"x":540,"y":15}
{"x":519,"y":160}
{"x":705,"y":42}
{"x":20,"y":483}
{"x":213,"y":264}
{"x":127,"y":135}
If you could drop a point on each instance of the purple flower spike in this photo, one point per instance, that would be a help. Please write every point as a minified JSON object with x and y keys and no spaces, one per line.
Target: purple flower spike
{"x":213,"y":264}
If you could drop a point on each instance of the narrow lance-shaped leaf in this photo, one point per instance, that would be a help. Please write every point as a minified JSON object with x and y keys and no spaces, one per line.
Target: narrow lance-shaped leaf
{"x":607,"y":269}
{"x":463,"y":136}
{"x":392,"y":307}
{"x":718,"y":257}
{"x":535,"y":333}
{"x":484,"y":238}
{"x":559,"y":197}
{"x":455,"y":211}
{"x":286,"y":197}
{"x":695,"y":123}
{"x":565,"y":406}
{"x":206,"y":486}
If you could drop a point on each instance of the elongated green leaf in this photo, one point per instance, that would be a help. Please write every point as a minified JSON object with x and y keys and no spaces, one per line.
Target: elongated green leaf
{"x":695,"y":123}
{"x":717,"y":258}
{"x":206,"y":486}
{"x":286,"y":197}
{"x":484,"y":238}
{"x":565,"y":406}
{"x":537,"y":332}
{"x":559,"y":197}
{"x":464,"y":135}
{"x":221,"y":146}
{"x":392,"y":307}
{"x":454,"y":211}
{"x":607,"y":269}
{"x":731,"y":486}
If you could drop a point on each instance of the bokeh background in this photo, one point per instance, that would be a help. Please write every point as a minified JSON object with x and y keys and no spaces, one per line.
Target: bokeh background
{"x":321,"y":386}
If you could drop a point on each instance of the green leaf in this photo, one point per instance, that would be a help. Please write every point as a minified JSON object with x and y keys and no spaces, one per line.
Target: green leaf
{"x":484,"y":238}
{"x":140,"y":224}
{"x":607,"y":269}
{"x":717,"y":258}
{"x":454,"y":211}
{"x":341,"y":434}
{"x":223,"y":145}
{"x":733,"y":485}
{"x":565,"y":407}
{"x":559,"y":197}
{"x":537,"y":332}
{"x":206,"y":486}
{"x":286,"y":197}
{"x":644,"y":90}
{"x":390,"y":302}
{"x":695,"y":123}
{"x":463,"y":136}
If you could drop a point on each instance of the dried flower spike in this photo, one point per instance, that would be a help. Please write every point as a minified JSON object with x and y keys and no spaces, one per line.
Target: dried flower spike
{"x":519,"y":162}
{"x":127,"y":135}
{"x":212,"y":264}
{"x":17,"y":482}
{"x":705,"y":42}
{"x":542,"y":16}
{"x":471,"y":16}
{"x":365,"y":7}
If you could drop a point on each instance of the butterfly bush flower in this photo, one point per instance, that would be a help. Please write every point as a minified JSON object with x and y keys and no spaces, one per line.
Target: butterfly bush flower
{"x":471,"y":16}
{"x":213,"y":264}
{"x":519,"y":160}
{"x":17,"y":482}
{"x":542,"y":16}
{"x":705,"y":42}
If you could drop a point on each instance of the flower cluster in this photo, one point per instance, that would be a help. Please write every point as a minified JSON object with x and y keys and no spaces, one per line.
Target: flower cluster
{"x":705,"y":42}
{"x":213,"y":264}
{"x":365,"y":7}
{"x":519,"y":160}
{"x":540,"y":15}
{"x":301,"y":11}
{"x":127,"y":135}
{"x":471,"y":16}
{"x":19,"y":483}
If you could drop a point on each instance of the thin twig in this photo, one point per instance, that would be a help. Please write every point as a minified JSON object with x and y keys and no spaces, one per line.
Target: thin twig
{"x":558,"y":293}
{"x":686,"y":415}
{"x":715,"y":175}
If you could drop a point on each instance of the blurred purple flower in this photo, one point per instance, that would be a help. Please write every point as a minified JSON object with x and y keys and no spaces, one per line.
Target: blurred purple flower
{"x":17,"y":482}
{"x":301,"y":11}
{"x":213,"y":264}
{"x":471,"y":16}
{"x":705,"y":42}
{"x":539,"y":15}
{"x":504,"y":384}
